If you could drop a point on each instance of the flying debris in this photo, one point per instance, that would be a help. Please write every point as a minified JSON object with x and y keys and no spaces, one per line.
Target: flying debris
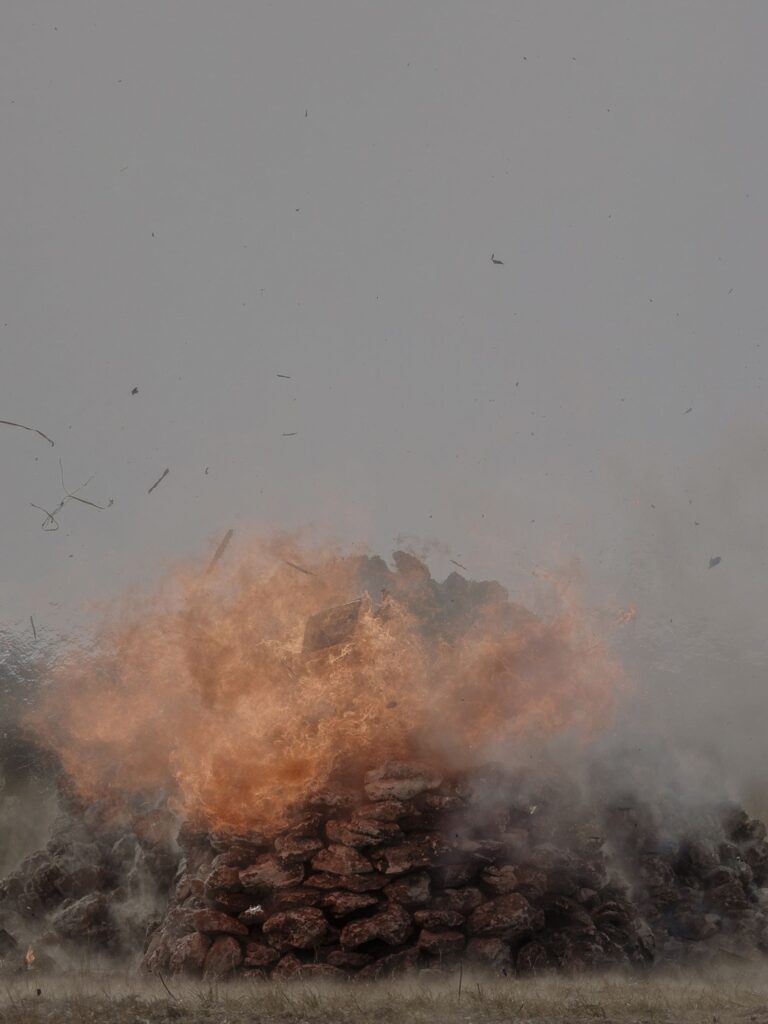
{"x":285,"y":376}
{"x":50,"y":523}
{"x":498,"y":262}
{"x":293,"y":434}
{"x":453,"y":562}
{"x":715,"y":561}
{"x":32,"y":624}
{"x":134,"y":391}
{"x":159,"y":480}
{"x":687,"y":411}
{"x":293,"y":565}
{"x":220,"y":549}
{"x":34,"y":430}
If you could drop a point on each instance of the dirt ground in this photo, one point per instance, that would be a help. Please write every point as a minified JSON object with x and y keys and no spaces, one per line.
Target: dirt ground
{"x":81,"y":997}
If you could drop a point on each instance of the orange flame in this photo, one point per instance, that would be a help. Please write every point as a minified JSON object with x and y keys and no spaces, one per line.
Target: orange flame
{"x":29,"y":957}
{"x":204,"y":691}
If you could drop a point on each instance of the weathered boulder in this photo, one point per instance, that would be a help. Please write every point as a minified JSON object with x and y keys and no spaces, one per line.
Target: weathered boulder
{"x":268,"y":873}
{"x":342,"y":903}
{"x":188,"y":954}
{"x":223,"y":958}
{"x":296,"y":929}
{"x":411,"y":890}
{"x":341,"y":860}
{"x":392,"y":926}
{"x":400,"y":781}
{"x":510,"y":917}
{"x":214,"y":922}
{"x":441,"y":942}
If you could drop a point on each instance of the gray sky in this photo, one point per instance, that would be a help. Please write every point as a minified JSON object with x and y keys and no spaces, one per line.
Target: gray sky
{"x":172,"y":220}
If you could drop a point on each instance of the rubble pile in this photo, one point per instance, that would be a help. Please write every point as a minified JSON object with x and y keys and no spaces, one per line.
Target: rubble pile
{"x":396,"y":862}
{"x":415,"y":872}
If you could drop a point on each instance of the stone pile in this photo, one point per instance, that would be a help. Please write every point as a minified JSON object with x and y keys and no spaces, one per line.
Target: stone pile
{"x":417,"y":873}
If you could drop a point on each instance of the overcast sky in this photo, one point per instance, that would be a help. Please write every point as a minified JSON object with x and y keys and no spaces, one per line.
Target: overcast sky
{"x":199,"y":197}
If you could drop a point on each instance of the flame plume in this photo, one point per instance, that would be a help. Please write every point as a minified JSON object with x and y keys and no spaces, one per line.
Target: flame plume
{"x":204,"y":691}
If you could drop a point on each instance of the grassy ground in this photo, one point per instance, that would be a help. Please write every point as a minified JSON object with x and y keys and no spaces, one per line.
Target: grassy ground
{"x":79,"y":998}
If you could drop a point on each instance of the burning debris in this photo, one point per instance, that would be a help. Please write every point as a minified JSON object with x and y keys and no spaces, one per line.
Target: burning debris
{"x":300,"y":788}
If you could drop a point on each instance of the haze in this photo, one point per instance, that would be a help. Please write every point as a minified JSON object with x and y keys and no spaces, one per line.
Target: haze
{"x":277,"y":221}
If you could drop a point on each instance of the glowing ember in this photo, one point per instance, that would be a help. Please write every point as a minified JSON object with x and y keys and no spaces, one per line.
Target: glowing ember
{"x":209,"y":693}
{"x":29,"y":958}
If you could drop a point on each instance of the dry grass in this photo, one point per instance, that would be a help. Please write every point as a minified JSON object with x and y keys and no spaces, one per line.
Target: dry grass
{"x":84,"y":998}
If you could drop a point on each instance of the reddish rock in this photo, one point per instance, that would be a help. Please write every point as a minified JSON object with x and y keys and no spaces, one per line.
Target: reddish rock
{"x":489,"y":952}
{"x":441,"y":942}
{"x":88,"y":918}
{"x":347,"y":958}
{"x":392,"y":926}
{"x":407,"y":961}
{"x":500,"y":880}
{"x":361,"y":832}
{"x":222,"y":879}
{"x":400,"y":781}
{"x":330,"y":800}
{"x":411,"y":891}
{"x":295,"y":849}
{"x":214,"y":921}
{"x":342,"y":903}
{"x":385,"y":810}
{"x":188,"y":954}
{"x":296,"y":929}
{"x":436,"y":919}
{"x":321,"y":972}
{"x":158,"y":953}
{"x":188,"y":886}
{"x":223,"y":840}
{"x":531,"y":957}
{"x":341,"y":860}
{"x":178,"y":922}
{"x":509,"y":916}
{"x":235,"y":857}
{"x":268,"y":873}
{"x":289,"y":967}
{"x":233,"y":903}
{"x":409,"y":856}
{"x":223,"y":958}
{"x":259,"y":955}
{"x":289,"y":899}
{"x":354,"y":883}
{"x":462,"y":901}
{"x":308,"y":826}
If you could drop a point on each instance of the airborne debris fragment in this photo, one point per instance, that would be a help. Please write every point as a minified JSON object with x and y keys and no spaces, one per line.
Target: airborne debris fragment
{"x":301,"y":568}
{"x":687,"y":411}
{"x":454,"y":562}
{"x":293,"y":434}
{"x":498,"y":262}
{"x":50,"y":523}
{"x":159,"y":480}
{"x":715,"y":561}
{"x":134,"y":391}
{"x":220,"y":550}
{"x":332,"y":626}
{"x":32,"y":624}
{"x":285,"y":376}
{"x":34,"y":430}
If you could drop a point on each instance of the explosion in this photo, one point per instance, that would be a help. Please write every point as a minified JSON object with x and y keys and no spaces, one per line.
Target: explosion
{"x":216,"y":694}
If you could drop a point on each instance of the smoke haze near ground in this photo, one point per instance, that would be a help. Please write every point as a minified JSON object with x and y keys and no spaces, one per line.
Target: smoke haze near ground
{"x":196,"y":199}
